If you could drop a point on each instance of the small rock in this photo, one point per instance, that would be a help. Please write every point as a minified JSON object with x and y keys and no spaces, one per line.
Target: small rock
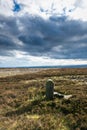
{"x":59,"y":95}
{"x":67,"y":96}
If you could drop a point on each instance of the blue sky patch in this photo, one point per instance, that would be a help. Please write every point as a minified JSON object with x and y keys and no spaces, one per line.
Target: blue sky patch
{"x":17,"y":7}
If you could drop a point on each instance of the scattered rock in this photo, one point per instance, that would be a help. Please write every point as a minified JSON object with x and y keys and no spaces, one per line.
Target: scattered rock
{"x":67,"y":96}
{"x":59,"y":95}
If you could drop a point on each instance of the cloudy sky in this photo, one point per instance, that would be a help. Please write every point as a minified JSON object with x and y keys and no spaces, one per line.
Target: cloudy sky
{"x":43,"y":32}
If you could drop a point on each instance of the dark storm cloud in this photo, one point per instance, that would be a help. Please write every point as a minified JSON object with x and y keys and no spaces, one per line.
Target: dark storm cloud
{"x":8,"y":35}
{"x":57,"y":37}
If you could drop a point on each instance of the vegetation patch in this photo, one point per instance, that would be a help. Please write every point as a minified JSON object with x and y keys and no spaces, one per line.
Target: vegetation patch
{"x":23,"y":103}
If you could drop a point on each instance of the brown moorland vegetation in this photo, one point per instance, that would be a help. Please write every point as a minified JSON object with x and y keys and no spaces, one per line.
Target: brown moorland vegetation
{"x":23,"y":105}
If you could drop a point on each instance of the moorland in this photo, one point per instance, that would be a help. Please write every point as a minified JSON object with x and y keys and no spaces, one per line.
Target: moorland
{"x":23,"y":104}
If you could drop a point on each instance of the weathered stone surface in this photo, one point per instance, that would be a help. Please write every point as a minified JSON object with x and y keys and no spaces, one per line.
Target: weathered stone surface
{"x":59,"y":95}
{"x":50,"y":94}
{"x":49,"y":89}
{"x":67,"y":96}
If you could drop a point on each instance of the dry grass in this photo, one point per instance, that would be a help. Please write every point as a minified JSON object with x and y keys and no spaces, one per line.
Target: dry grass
{"x":23,"y":105}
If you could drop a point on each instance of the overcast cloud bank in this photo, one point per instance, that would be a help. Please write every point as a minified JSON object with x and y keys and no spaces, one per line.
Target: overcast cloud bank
{"x":42,"y":33}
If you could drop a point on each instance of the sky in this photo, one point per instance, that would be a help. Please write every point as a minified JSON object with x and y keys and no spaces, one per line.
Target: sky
{"x":43,"y":32}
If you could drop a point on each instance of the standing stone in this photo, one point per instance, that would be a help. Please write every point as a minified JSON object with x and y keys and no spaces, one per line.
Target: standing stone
{"x":49,"y":89}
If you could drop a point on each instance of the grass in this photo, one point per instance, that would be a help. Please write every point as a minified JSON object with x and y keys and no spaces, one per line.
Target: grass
{"x":23,"y":105}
